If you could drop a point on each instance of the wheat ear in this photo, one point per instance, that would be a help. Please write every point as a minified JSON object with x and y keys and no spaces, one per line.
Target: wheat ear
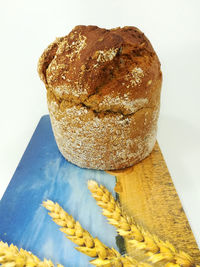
{"x":156,"y":249}
{"x":88,"y":245}
{"x":11,"y":256}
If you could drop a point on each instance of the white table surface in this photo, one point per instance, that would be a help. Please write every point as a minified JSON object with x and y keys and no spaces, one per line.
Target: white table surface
{"x":172,"y":26}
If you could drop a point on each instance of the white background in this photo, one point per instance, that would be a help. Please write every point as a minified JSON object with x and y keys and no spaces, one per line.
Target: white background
{"x":173,"y":27}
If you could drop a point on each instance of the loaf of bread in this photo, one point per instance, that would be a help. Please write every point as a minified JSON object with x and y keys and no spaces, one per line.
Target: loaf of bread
{"x":103,"y":93}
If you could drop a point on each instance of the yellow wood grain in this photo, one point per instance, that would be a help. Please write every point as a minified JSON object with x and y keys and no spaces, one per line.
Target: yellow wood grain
{"x":147,"y":193}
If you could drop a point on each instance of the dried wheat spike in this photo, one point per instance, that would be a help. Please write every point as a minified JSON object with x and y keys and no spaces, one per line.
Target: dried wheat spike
{"x":156,"y":249}
{"x":11,"y":256}
{"x":88,"y":245}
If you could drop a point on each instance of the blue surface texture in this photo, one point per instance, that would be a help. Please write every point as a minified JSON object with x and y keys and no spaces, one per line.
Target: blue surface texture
{"x":43,"y":174}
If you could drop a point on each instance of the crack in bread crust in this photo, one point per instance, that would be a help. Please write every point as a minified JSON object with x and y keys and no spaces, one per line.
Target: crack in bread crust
{"x":63,"y":104}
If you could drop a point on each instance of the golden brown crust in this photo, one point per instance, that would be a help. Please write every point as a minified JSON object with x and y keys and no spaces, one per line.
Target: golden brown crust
{"x":102,"y":76}
{"x":92,"y":64}
{"x":46,"y":58}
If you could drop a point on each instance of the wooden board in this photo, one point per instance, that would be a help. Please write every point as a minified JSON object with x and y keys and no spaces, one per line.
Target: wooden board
{"x":147,"y":192}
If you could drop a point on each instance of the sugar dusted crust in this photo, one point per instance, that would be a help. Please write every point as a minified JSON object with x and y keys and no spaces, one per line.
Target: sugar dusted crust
{"x":103,"y":91}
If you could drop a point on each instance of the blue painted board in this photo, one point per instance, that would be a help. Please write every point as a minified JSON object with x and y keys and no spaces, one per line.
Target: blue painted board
{"x":43,"y":174}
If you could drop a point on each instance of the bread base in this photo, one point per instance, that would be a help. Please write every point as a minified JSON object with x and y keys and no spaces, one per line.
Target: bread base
{"x":106,"y":141}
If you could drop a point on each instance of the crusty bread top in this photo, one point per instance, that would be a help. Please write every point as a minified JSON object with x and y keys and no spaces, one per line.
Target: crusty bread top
{"x":113,"y":70}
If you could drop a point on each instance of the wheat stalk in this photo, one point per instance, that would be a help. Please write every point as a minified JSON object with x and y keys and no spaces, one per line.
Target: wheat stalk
{"x":156,"y":249}
{"x":93,"y":247}
{"x":11,"y":256}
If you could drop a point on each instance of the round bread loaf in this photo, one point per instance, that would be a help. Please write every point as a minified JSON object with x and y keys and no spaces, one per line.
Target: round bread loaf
{"x":103,"y":93}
